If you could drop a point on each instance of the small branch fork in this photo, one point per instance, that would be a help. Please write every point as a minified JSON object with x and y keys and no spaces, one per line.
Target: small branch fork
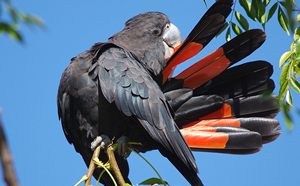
{"x":113,"y":165}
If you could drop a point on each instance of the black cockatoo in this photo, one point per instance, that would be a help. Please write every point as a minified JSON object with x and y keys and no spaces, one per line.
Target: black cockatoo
{"x":122,"y":90}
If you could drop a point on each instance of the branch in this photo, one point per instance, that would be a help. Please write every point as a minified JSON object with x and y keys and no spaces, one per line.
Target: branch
{"x":114,"y":166}
{"x":92,"y":166}
{"x":6,"y":160}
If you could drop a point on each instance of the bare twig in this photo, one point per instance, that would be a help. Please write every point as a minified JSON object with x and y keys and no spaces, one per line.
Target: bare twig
{"x":92,"y":166}
{"x":6,"y":160}
{"x":114,"y":166}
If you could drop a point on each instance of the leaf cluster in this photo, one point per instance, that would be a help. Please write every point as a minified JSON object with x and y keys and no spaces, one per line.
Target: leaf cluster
{"x":290,"y":64}
{"x":11,"y":27}
{"x":259,"y":11}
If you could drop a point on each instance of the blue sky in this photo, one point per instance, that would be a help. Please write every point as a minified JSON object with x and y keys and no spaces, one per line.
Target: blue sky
{"x":30,"y":75}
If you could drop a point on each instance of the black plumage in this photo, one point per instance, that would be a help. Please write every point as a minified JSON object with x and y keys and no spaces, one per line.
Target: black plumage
{"x":110,"y":90}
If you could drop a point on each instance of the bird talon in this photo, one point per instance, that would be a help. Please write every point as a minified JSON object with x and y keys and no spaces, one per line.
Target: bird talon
{"x":123,"y":147}
{"x":102,"y":141}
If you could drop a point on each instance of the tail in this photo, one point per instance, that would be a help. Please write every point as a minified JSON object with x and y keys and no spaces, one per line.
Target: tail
{"x":232,"y":114}
{"x":222,"y":109}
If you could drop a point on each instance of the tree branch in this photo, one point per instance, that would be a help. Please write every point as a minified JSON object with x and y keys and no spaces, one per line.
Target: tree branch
{"x":92,"y":166}
{"x":114,"y":166}
{"x":6,"y":160}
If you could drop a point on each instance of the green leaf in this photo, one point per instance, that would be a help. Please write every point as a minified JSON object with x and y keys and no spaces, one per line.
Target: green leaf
{"x":152,"y":181}
{"x":236,"y":29}
{"x":15,"y":35}
{"x":293,"y":2}
{"x":294,"y":84}
{"x":284,"y":76}
{"x":11,"y":31}
{"x":282,"y":92}
{"x":37,"y":20}
{"x":223,"y":28}
{"x":288,"y":98}
{"x":292,"y":69}
{"x":31,"y":20}
{"x":242,"y":21}
{"x":287,"y":4}
{"x":249,"y":9}
{"x":283,"y":21}
{"x":260,"y":11}
{"x":3,"y":27}
{"x":297,"y":69}
{"x":285,"y":56}
{"x":296,"y":47}
{"x":297,"y":33}
{"x":266,"y":2}
{"x":227,"y":36}
{"x":288,"y":118}
{"x":298,"y":18}
{"x":272,"y":11}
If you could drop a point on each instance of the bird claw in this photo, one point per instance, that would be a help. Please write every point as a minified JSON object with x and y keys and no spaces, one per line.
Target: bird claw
{"x":102,"y":141}
{"x":123,"y":147}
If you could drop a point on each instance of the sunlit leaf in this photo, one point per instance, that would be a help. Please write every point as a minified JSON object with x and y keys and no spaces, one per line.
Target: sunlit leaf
{"x":292,"y":69}
{"x":297,"y":33}
{"x":295,"y":84}
{"x":15,"y":35}
{"x":236,"y":29}
{"x":266,"y":2}
{"x":285,"y":56}
{"x":298,"y":18}
{"x":272,"y":11}
{"x":284,"y":76}
{"x":288,"y":98}
{"x":37,"y":20}
{"x":296,"y":47}
{"x":242,"y":21}
{"x":287,"y":117}
{"x":282,"y":92}
{"x":227,"y":36}
{"x":293,"y":2}
{"x":283,"y":20}
{"x":297,"y":69}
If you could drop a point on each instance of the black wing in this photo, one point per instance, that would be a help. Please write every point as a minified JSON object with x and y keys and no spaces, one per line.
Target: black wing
{"x":77,"y":100}
{"x":113,"y":72}
{"x":125,"y":81}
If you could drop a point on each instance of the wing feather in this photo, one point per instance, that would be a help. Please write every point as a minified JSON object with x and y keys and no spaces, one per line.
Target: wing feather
{"x":138,"y":94}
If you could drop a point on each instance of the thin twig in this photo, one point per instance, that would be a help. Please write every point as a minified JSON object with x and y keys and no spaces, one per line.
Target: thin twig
{"x":6,"y":160}
{"x":114,"y":166}
{"x":92,"y":166}
{"x":149,"y":165}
